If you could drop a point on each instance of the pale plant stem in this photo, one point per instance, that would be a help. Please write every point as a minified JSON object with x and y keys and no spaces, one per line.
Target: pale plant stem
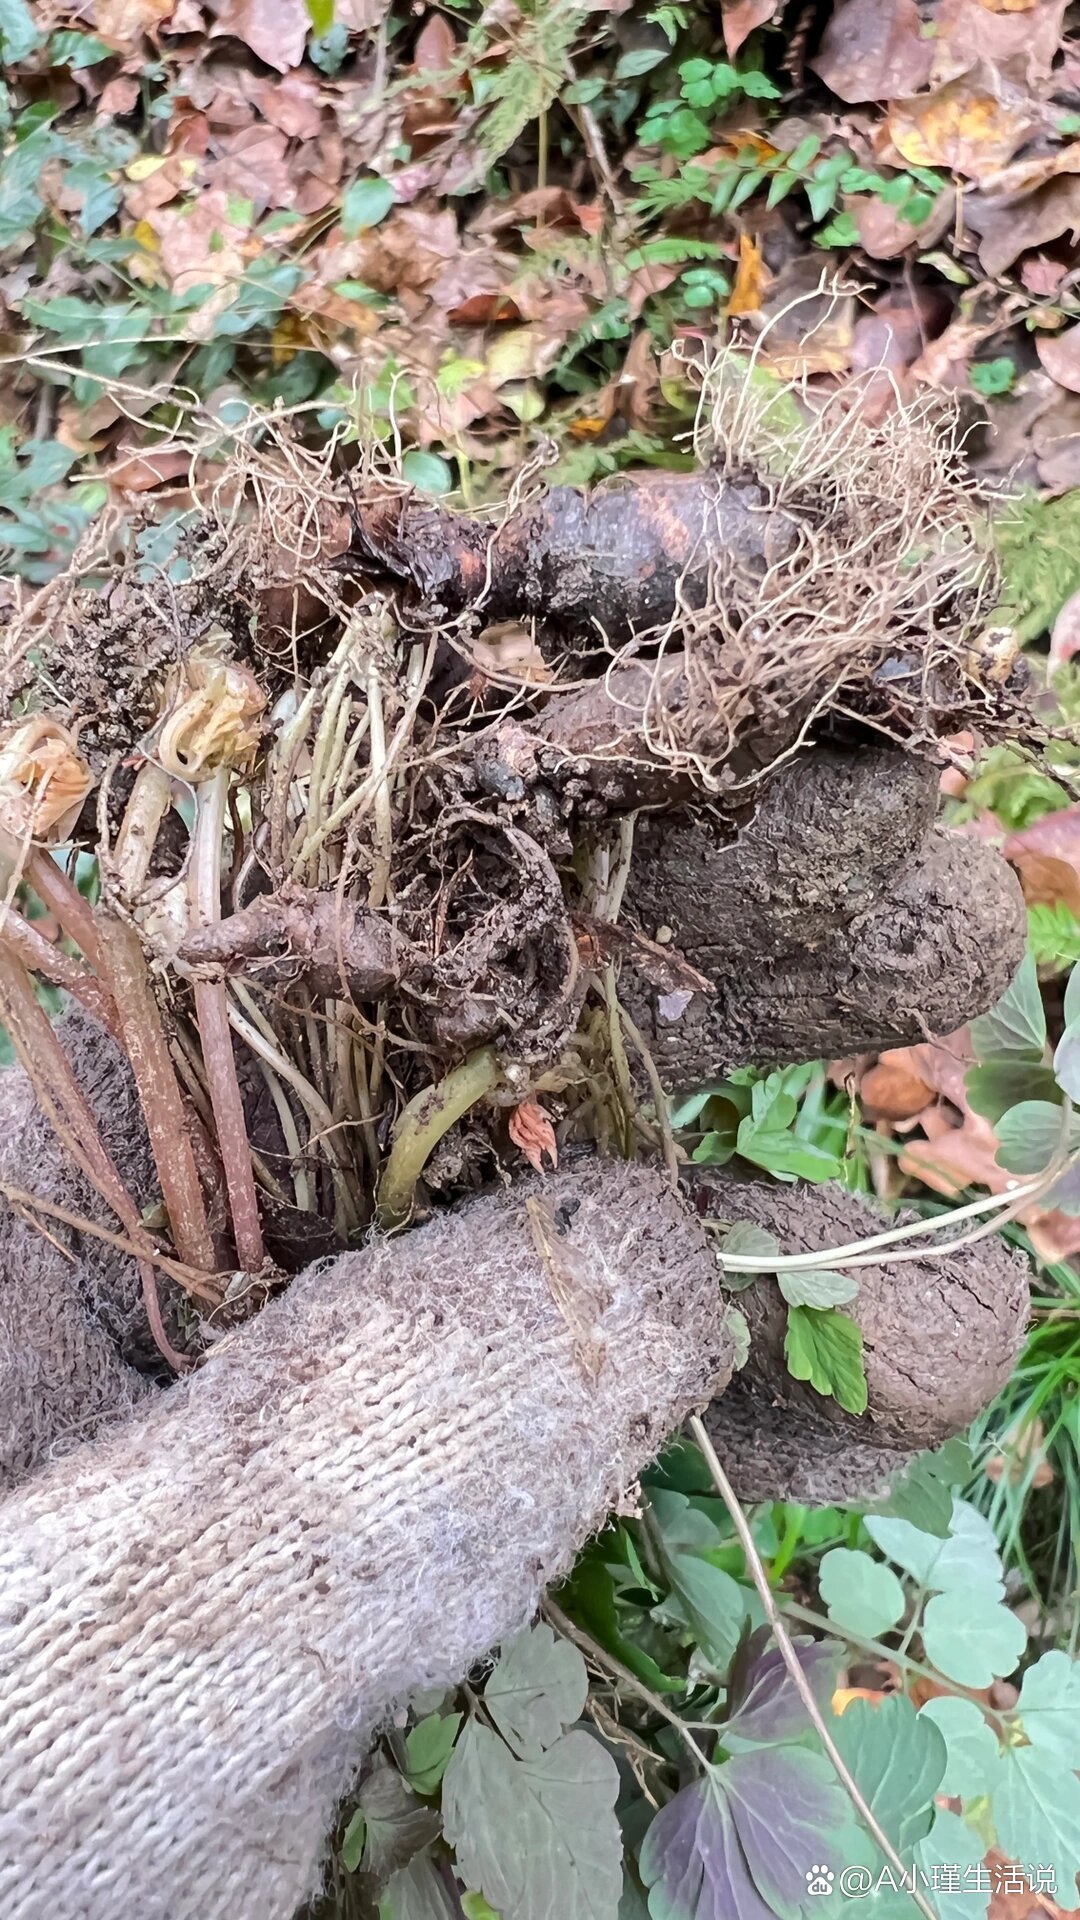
{"x":422,"y":1125}
{"x":794,"y":1666}
{"x":258,"y":1035}
{"x":890,"y":1654}
{"x":381,"y":799}
{"x":212,"y":1016}
{"x":32,"y":1203}
{"x":602,"y":1658}
{"x":889,"y":1237}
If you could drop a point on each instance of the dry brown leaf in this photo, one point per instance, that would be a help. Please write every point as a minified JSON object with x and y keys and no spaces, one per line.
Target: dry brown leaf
{"x":891,"y":1090}
{"x":874,"y":50}
{"x":972,"y":125}
{"x":276,"y":30}
{"x":199,"y":243}
{"x":531,"y":1129}
{"x":1060,"y":355}
{"x":1021,"y":43}
{"x":740,"y":17}
{"x":1053,"y":838}
{"x":752,"y":277}
{"x":142,"y":471}
{"x":125,"y":21}
{"x":1008,"y":229}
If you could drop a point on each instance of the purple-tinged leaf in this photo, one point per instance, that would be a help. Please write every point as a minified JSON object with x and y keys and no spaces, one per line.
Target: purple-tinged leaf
{"x":790,"y":1812}
{"x":692,"y":1863}
{"x":770,"y":1708}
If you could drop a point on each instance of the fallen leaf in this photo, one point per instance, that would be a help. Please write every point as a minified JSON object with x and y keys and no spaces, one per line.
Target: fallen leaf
{"x":1018,"y":41}
{"x":1055,"y":837}
{"x":1042,"y":274}
{"x":1007,"y":229}
{"x":1055,"y":440}
{"x":531,"y":1129}
{"x":891,"y":1091}
{"x":199,"y":242}
{"x":117,"y":97}
{"x":752,"y":277}
{"x":973,"y":125}
{"x":1060,"y":355}
{"x":276,"y":30}
{"x":884,"y":234}
{"x":874,"y":50}
{"x":739,"y":18}
{"x":125,"y":21}
{"x":944,"y":362}
{"x":145,"y":470}
{"x":436,"y":45}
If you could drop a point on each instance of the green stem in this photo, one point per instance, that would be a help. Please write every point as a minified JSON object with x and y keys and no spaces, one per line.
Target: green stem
{"x":422,"y":1125}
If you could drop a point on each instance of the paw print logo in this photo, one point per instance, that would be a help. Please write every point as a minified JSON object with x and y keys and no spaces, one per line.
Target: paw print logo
{"x":819,"y":1879}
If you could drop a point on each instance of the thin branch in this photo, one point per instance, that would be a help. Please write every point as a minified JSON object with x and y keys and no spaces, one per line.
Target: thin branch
{"x":794,"y":1666}
{"x":601,"y":1658}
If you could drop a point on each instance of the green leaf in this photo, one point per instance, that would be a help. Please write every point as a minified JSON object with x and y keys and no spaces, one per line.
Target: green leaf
{"x":639,"y":60}
{"x":18,"y":34}
{"x":993,"y":1089}
{"x":991,"y":376}
{"x":475,"y":1907}
{"x":744,"y":1239}
{"x":536,"y":1837}
{"x":782,"y":1153}
{"x":428,"y":1747}
{"x":974,"y":1757}
{"x":825,"y":1348}
{"x":859,"y":1592}
{"x":1049,"y":1707}
{"x":817,"y":1287}
{"x":536,"y":1690}
{"x":841,"y":231}
{"x":713,"y":1603}
{"x":1016,"y":1027}
{"x":428,"y":472}
{"x":396,"y":1825}
{"x":1029,"y":1136}
{"x":1036,"y":1810}
{"x":352,"y":1845}
{"x":1067,"y":1060}
{"x":957,"y":1853}
{"x":972,"y":1638}
{"x":898,"y":1759}
{"x":1071,"y":1003}
{"x":69,"y":48}
{"x":364,"y":204}
{"x":417,"y":1892}
{"x":922,"y":1493}
{"x":967,"y":1561}
{"x":321,"y":15}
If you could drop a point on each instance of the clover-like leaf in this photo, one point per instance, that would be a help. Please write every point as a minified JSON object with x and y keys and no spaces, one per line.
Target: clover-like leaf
{"x":825,"y":1348}
{"x":898,"y":1760}
{"x":766,"y":1704}
{"x":971,"y":1638}
{"x":536,"y":1690}
{"x":973,"y":1761}
{"x":968,"y":1559}
{"x":1036,"y":1808}
{"x":428,"y":1748}
{"x":860,"y":1593}
{"x":1049,"y":1707}
{"x":1016,"y":1027}
{"x":817,"y":1287}
{"x":536,"y":1837}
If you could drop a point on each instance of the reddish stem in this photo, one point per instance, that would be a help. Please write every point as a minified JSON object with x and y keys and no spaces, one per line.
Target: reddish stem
{"x":44,"y":957}
{"x":63,"y":899}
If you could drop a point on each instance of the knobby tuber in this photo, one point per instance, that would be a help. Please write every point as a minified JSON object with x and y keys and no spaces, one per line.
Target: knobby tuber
{"x":813,"y":950}
{"x":939,"y":1337}
{"x":598,"y":568}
